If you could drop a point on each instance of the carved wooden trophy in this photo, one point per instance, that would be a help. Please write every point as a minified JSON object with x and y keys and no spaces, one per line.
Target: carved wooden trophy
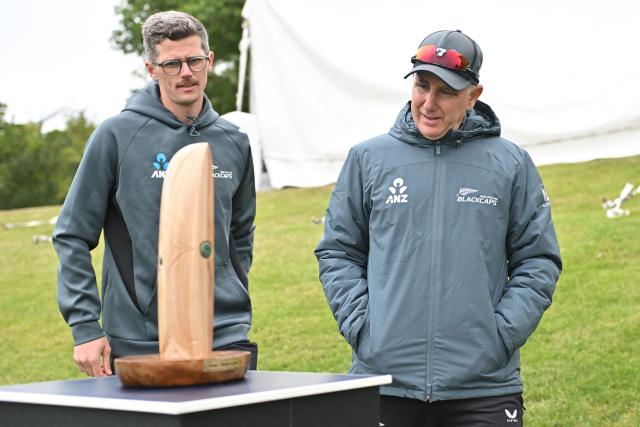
{"x":185,"y":284}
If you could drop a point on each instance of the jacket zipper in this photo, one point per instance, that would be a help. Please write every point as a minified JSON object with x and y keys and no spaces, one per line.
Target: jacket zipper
{"x":435,"y":276}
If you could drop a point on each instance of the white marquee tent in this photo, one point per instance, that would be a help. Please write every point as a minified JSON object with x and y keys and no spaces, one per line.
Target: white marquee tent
{"x":324,"y":75}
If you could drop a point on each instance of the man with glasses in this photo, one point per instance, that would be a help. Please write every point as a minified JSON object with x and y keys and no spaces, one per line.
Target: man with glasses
{"x":117,"y":189}
{"x":439,"y":253}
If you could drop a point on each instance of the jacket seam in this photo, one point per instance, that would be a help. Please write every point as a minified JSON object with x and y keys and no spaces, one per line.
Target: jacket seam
{"x":130,"y":141}
{"x":236,"y":144}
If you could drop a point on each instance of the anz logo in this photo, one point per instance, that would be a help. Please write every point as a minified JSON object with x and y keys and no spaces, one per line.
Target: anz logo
{"x":398,"y":192}
{"x":160,"y":166}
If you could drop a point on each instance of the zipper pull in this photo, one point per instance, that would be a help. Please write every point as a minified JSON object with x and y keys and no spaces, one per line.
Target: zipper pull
{"x":437,"y":149}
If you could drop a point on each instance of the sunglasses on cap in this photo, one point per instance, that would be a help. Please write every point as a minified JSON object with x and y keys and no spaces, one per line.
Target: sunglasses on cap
{"x":448,"y":58}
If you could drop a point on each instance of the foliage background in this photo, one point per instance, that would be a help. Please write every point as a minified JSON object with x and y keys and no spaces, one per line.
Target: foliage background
{"x":221,"y":18}
{"x":36,"y":168}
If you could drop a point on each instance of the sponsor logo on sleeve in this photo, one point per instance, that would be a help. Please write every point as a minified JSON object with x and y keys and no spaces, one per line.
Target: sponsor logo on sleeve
{"x":545,"y":196}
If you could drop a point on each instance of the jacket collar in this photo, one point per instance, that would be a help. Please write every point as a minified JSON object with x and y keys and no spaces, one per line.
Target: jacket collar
{"x":479,"y":122}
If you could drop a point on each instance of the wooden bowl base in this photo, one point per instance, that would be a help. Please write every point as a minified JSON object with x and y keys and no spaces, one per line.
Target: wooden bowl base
{"x":154,"y":371}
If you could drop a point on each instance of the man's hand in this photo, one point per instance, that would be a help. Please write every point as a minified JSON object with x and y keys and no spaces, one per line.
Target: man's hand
{"x":94,"y":357}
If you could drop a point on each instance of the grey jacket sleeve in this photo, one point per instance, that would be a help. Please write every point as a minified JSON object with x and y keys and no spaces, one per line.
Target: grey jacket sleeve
{"x":243,"y":215}
{"x":77,"y":232}
{"x":343,"y":252}
{"x":533,"y":257}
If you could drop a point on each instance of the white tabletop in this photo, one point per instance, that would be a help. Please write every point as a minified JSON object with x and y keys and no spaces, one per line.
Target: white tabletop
{"x":257,"y":386}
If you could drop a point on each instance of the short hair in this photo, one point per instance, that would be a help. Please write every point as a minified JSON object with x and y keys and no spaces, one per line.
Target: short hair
{"x":171,"y":25}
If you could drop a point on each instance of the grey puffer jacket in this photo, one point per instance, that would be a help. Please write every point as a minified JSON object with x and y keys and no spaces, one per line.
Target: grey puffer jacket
{"x":439,"y":258}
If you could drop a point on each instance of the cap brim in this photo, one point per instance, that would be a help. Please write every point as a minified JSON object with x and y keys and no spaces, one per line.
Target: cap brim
{"x":456,"y":81}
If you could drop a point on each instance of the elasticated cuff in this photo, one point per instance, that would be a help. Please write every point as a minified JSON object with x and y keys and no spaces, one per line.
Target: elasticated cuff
{"x":85,"y":332}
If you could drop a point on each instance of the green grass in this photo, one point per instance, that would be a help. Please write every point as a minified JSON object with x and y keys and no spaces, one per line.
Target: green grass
{"x":580,"y":367}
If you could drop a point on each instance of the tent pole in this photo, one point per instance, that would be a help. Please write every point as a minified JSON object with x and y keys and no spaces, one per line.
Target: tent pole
{"x":242,"y":69}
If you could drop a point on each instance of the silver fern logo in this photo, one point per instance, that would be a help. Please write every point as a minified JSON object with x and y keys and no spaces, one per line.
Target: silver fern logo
{"x":465,"y":191}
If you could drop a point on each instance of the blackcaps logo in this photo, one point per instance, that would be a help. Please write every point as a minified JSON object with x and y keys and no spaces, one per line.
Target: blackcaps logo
{"x":221,"y":174}
{"x":160,"y":166}
{"x":467,"y":195}
{"x":397,"y":190}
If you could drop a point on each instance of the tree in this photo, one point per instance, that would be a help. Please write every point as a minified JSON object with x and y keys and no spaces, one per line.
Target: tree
{"x":223,"y":21}
{"x":36,"y":169}
{"x":24,"y":165}
{"x":69,"y":145}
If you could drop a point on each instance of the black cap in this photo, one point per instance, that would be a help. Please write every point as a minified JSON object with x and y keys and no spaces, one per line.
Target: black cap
{"x":452,"y":56}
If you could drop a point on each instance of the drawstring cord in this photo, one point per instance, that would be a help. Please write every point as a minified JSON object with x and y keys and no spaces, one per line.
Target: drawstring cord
{"x":192,"y":127}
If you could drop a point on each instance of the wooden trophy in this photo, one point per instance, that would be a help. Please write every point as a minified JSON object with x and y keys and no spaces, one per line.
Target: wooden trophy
{"x":185,"y":285}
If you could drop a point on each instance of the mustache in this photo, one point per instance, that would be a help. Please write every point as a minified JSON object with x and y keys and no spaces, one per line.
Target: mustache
{"x":188,"y":82}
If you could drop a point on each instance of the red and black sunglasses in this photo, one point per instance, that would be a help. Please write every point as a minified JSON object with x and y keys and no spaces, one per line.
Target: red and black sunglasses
{"x":448,"y":58}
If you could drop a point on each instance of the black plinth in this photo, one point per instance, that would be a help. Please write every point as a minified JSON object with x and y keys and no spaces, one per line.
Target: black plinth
{"x":262,"y":398}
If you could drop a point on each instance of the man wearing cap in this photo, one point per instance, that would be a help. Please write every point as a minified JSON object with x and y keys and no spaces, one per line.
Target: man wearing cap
{"x":439,"y":254}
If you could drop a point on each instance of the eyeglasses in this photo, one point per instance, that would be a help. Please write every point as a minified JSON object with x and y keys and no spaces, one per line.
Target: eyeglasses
{"x":173,"y":66}
{"x":449,"y":58}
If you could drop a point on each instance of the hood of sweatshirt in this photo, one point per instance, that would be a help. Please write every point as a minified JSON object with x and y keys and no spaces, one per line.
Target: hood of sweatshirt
{"x":146,"y":101}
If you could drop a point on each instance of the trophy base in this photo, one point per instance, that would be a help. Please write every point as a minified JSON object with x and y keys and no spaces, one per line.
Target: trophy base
{"x":154,"y":371}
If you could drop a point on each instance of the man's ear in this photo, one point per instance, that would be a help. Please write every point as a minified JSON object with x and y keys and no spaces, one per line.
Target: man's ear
{"x":476,"y":91}
{"x":211,"y":56}
{"x":151,"y":70}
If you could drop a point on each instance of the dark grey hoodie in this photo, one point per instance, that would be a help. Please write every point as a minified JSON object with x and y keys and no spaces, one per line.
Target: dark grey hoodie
{"x":439,"y":258}
{"x":117,"y":188}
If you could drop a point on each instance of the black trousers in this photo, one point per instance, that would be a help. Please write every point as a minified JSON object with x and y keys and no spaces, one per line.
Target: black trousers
{"x":245,"y":346}
{"x":479,"y":412}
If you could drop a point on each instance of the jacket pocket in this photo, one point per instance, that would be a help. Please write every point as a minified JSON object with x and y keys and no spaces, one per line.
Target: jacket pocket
{"x":469,"y":352}
{"x":363,"y":343}
{"x":121,"y":318}
{"x":500,"y":353}
{"x":362,"y":348}
{"x":231,"y":299}
{"x":504,"y":349}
